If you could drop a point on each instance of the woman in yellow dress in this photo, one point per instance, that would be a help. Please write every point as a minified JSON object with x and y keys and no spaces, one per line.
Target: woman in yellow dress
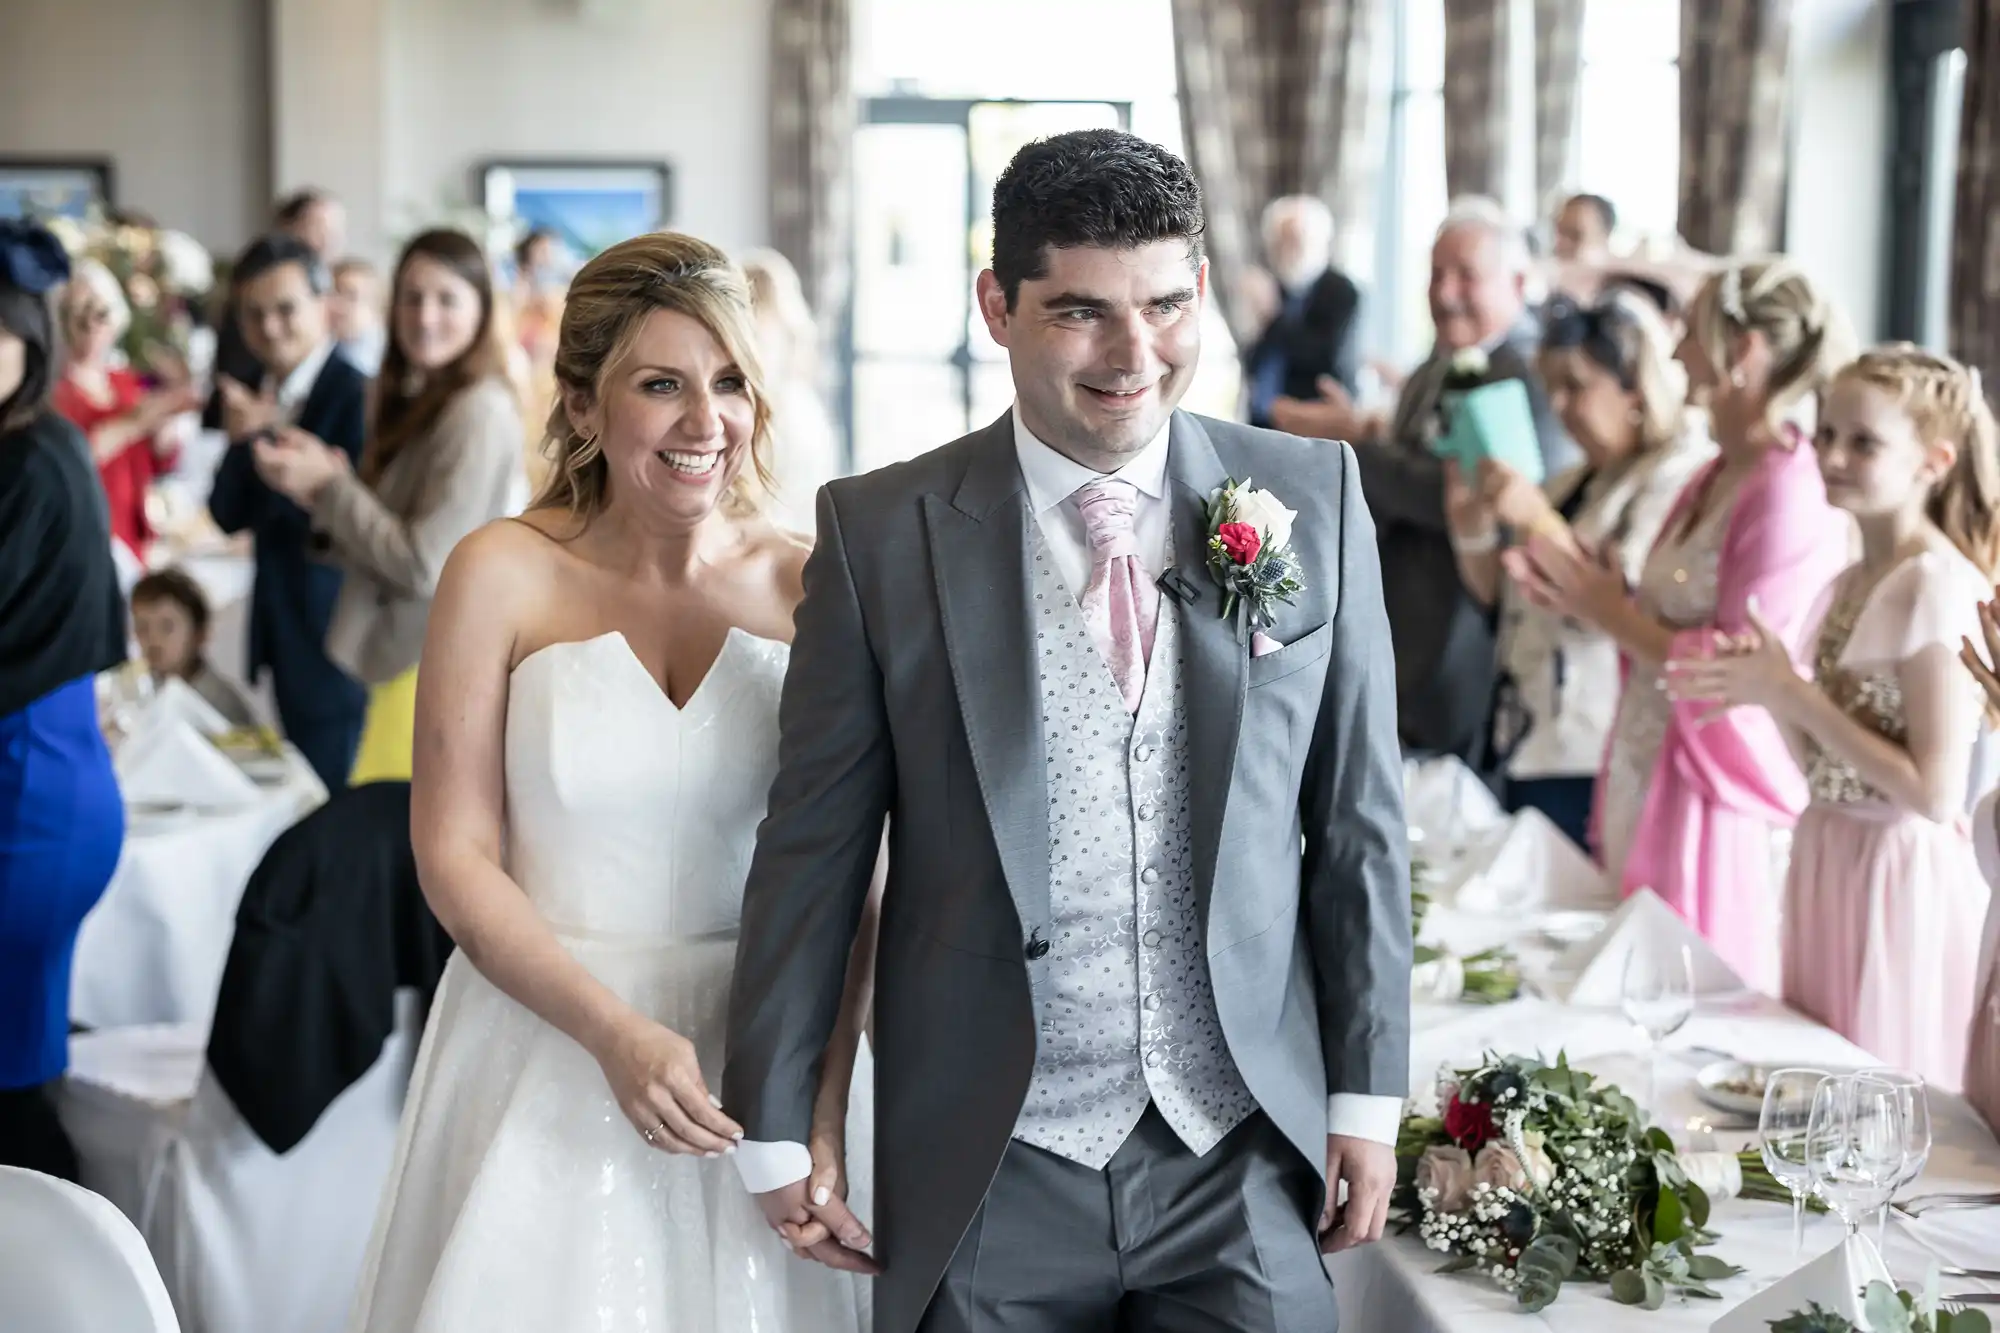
{"x":443,"y":457}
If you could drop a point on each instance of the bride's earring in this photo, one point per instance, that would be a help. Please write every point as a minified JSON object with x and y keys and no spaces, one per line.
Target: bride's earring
{"x":1736,"y":377}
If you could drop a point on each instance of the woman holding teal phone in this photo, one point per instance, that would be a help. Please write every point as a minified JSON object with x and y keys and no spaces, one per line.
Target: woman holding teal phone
{"x":1611,"y":378}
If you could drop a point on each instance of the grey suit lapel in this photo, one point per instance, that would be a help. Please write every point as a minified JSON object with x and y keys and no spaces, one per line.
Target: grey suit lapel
{"x":1214,"y":651}
{"x":979,"y":553}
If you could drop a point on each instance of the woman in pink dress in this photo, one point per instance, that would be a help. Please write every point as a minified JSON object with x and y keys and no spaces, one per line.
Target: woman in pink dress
{"x":1692,"y":806}
{"x":1884,"y":901}
{"x":1982,"y":1037}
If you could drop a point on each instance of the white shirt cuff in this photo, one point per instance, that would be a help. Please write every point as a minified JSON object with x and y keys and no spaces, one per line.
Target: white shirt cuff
{"x":771,"y":1166}
{"x":1352,"y":1115}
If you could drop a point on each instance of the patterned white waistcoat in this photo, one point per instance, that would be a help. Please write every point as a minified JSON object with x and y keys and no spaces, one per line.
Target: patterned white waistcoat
{"x":1128,"y":1015}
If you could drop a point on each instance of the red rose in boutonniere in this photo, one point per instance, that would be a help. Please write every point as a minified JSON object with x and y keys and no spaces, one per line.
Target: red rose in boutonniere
{"x":1241,"y":540}
{"x":1469,"y":1124}
{"x":1250,"y":550}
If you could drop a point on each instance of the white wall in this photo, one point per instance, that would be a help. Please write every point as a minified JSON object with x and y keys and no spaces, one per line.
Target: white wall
{"x":684,"y":81}
{"x":172,"y":91}
{"x":1835,"y":215}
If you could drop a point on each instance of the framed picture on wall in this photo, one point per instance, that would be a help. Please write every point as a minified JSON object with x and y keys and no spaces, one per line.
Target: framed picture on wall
{"x":52,"y":187}
{"x":588,"y":204}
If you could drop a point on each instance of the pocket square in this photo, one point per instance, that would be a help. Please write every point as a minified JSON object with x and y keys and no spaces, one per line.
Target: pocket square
{"x":1263,"y":645}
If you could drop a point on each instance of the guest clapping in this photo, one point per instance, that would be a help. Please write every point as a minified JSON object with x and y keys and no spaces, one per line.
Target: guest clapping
{"x":281,"y":289}
{"x":1444,"y":643}
{"x":443,"y":457}
{"x":1689,"y":803}
{"x":111,"y":405}
{"x":1612,"y":381}
{"x":1884,"y":903}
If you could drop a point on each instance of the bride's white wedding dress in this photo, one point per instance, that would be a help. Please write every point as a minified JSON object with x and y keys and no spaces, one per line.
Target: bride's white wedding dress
{"x":521,"y":1197}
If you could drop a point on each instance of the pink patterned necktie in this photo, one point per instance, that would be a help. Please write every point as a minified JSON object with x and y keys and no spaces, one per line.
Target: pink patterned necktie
{"x":1120,"y":604}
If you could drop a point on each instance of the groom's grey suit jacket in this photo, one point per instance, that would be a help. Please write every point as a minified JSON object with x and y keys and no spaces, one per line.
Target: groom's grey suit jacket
{"x":913,"y":694}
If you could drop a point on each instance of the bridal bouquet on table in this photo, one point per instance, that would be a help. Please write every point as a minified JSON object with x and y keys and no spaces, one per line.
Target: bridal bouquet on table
{"x":1491,"y":976}
{"x":1534,"y":1175}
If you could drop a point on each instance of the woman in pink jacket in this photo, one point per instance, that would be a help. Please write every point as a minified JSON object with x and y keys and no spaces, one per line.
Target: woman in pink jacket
{"x":1693,"y":803}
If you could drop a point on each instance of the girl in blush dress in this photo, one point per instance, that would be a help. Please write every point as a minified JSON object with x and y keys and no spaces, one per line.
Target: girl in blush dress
{"x":1982,"y":1037}
{"x":1688,"y":805}
{"x":1884,"y":901}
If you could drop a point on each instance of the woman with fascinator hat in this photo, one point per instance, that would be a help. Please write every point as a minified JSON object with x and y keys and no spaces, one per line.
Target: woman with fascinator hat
{"x":62,"y":621}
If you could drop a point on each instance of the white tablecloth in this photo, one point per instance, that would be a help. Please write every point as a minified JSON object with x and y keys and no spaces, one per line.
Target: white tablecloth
{"x":1394,"y":1287}
{"x":153,"y":948}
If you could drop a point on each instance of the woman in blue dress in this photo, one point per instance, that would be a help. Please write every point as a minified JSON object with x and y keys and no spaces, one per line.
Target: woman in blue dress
{"x":61,"y":622}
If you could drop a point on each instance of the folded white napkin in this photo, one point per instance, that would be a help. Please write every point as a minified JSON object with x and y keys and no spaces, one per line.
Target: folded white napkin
{"x":1834,"y":1281}
{"x":1531,"y":864}
{"x":1443,"y":801}
{"x":1644,"y":921}
{"x":169,"y":762}
{"x":178,"y":699}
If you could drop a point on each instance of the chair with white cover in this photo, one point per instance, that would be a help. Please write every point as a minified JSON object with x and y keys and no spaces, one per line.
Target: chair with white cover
{"x":71,"y":1263}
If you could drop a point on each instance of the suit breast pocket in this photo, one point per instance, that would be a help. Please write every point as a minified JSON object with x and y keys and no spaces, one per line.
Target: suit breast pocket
{"x":1302,"y":652}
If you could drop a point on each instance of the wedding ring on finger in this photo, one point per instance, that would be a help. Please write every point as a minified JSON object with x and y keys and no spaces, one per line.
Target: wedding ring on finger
{"x":651,"y":1135}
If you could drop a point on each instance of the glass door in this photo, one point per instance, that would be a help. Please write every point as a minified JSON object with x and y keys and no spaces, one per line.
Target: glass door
{"x":922,"y":369}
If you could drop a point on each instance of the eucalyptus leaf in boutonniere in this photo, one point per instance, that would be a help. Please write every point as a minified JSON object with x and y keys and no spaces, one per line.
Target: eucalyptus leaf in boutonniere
{"x":1250,"y":550}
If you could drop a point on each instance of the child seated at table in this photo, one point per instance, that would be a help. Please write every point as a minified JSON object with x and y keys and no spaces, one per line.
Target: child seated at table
{"x":170,"y":619}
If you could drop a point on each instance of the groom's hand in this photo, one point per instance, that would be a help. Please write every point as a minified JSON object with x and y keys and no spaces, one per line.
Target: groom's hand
{"x":1368,"y":1169}
{"x":819,"y":1226}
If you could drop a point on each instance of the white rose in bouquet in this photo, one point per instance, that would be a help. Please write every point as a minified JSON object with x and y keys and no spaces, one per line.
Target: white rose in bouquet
{"x":1261,"y":510}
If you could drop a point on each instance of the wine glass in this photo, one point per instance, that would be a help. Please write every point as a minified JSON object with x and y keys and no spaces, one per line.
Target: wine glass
{"x":1855,"y":1145}
{"x":1915,"y":1099}
{"x":1782,"y":1125}
{"x":1657,"y":994}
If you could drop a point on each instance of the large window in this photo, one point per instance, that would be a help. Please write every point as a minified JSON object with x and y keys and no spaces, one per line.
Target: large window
{"x":950,"y":90}
{"x":1628,"y":145}
{"x":1412,"y":185}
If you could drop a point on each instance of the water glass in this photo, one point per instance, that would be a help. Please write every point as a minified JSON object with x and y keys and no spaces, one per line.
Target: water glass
{"x":1657,"y":994}
{"x":1782,"y":1126}
{"x":1856,"y":1145}
{"x":1915,"y":1100}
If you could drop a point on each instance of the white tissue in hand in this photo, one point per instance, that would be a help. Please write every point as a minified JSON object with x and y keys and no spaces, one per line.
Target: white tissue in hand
{"x":1597,"y":965}
{"x":178,"y":699}
{"x":1834,"y":1281}
{"x":1533,"y":864}
{"x":172,"y":763}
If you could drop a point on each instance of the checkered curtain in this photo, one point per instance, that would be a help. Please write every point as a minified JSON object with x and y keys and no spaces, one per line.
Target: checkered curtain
{"x":1558,"y":71}
{"x":1734,"y":63}
{"x":1975,"y":254}
{"x":812,"y":138}
{"x":1275,"y":100}
{"x":1478,"y":95}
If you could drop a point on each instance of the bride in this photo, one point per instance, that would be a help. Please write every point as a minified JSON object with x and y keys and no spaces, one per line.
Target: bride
{"x":597,"y":726}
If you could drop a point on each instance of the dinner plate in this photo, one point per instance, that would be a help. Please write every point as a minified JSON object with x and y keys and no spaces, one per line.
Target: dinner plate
{"x":1732,"y":1086}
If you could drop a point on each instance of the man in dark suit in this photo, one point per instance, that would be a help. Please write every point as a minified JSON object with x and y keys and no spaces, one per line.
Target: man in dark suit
{"x":281,"y":288}
{"x":1313,"y":335}
{"x":1443,"y":637}
{"x":311,"y":216}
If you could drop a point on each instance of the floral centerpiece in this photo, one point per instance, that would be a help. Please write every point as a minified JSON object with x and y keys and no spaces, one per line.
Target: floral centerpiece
{"x":1888,"y":1310}
{"x":1534,"y":1175}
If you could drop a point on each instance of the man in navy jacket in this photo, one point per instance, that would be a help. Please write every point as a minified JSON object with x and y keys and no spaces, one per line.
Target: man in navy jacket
{"x":280,"y":287}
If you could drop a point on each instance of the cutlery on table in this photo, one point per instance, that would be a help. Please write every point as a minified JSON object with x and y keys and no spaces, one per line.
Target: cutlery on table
{"x":1978,"y":1274}
{"x":1928,"y":1203}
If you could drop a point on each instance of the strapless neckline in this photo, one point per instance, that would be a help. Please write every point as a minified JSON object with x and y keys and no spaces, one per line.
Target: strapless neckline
{"x":627,"y":653}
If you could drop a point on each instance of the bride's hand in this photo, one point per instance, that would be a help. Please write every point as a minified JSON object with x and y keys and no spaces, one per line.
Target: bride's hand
{"x":654,"y":1074}
{"x":827,"y":1183}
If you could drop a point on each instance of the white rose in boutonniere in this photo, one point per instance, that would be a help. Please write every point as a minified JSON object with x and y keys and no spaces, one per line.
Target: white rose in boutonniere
{"x":1262,"y":511}
{"x":1469,"y":363}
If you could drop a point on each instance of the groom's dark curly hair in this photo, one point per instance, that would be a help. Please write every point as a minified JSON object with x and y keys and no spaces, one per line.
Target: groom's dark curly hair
{"x":1100,"y":188}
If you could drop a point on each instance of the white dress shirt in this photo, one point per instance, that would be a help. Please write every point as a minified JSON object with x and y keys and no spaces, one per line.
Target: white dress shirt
{"x":296,"y":387}
{"x":1053,"y":480}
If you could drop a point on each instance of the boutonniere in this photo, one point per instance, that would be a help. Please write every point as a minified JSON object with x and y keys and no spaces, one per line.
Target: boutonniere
{"x":1467,"y":368}
{"x":1250,"y":550}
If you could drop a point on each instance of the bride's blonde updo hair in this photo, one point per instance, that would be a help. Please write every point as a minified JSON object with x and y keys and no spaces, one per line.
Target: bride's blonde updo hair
{"x":1809,"y":337}
{"x":607,"y":303}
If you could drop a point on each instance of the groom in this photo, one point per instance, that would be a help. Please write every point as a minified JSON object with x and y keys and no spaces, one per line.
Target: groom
{"x":1142,"y":988}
